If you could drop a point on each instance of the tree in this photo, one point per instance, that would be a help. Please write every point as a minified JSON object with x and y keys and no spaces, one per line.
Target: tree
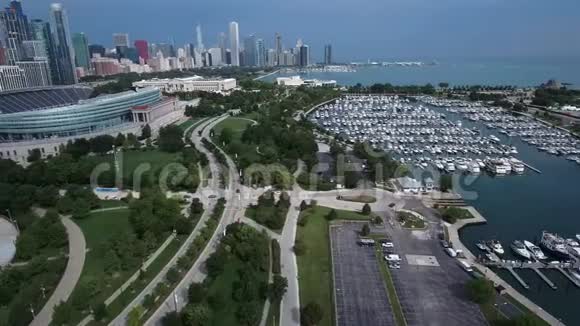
{"x":134,"y":316}
{"x":311,"y":314}
{"x":299,"y":248}
{"x":249,"y":313}
{"x":172,"y":318}
{"x":198,"y":314}
{"x":303,"y":206}
{"x":443,"y":85}
{"x":171,"y":139}
{"x":366,"y":210}
{"x":196,"y":292}
{"x":446,"y":183}
{"x":365,"y":230}
{"x":62,"y":314}
{"x":100,"y":311}
{"x":172,"y":275}
{"x":332,"y":215}
{"x":35,"y":155}
{"x":119,"y":140}
{"x":480,"y":290}
{"x":226,"y":136}
{"x":81,"y":210}
{"x":277,"y":288}
{"x":146,"y":132}
{"x":183,"y":225}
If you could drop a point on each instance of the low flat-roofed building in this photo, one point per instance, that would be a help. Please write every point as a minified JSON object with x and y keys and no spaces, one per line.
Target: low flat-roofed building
{"x":189,"y":84}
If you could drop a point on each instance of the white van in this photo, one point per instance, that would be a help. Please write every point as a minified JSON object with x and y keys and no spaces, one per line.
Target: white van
{"x":465,"y":265}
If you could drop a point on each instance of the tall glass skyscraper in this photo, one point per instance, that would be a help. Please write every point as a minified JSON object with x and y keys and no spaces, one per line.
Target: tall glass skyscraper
{"x":81,"y":46}
{"x":14,"y":30}
{"x":64,"y":51}
{"x":250,"y":51}
{"x":260,"y":53}
{"x":328,"y":54}
{"x":235,"y":43}
{"x":40,"y":31}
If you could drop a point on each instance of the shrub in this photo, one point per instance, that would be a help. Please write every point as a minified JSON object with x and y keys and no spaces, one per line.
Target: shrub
{"x":299,"y":248}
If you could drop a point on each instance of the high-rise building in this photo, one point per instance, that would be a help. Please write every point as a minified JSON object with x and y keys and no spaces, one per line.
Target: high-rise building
{"x":215,"y":56}
{"x":278,"y":48}
{"x":81,"y":46}
{"x":34,"y":49}
{"x":40,"y":31}
{"x":121,"y":39}
{"x":328,"y":54}
{"x":15,"y":30}
{"x":199,"y":37}
{"x":271,"y":58}
{"x":235,"y":43}
{"x":12,"y":77}
{"x":142,"y":49}
{"x":222,"y":44}
{"x":250,"y":51}
{"x":304,"y":55}
{"x":64,"y":51}
{"x":260,"y":53}
{"x":37,"y":73}
{"x":166,"y":49}
{"x":96,"y":49}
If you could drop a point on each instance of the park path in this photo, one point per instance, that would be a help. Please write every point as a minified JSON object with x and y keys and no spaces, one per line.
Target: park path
{"x":74,"y":267}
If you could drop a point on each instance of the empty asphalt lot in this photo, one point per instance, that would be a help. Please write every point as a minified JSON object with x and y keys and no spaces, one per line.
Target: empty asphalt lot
{"x":431,"y":294}
{"x":360,"y":295}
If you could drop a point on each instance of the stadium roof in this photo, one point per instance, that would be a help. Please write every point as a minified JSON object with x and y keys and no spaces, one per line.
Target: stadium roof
{"x":41,"y":98}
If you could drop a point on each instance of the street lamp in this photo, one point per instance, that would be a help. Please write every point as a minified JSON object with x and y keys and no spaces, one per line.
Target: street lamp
{"x":12,"y":220}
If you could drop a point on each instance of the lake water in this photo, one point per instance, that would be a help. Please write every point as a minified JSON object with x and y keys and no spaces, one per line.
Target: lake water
{"x":497,"y":71}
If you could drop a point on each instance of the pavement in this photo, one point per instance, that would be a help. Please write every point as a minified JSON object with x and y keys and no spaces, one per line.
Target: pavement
{"x":71,"y":275}
{"x":359,"y":291}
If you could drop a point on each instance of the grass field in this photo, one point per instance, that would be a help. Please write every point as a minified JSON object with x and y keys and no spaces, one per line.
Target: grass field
{"x":315,"y":267}
{"x":237,"y":126}
{"x":188,"y":123}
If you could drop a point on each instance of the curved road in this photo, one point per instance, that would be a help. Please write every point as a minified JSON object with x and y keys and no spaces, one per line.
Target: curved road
{"x":72,"y":273}
{"x":234,"y":211}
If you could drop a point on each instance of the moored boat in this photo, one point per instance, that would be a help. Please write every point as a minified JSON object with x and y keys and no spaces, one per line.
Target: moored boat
{"x":496,"y":247}
{"x":554,"y":244}
{"x":519,"y":248}
{"x":535,"y":250}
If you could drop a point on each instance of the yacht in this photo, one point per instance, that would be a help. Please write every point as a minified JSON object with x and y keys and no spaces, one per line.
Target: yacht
{"x":474,"y":168}
{"x":519,"y":248}
{"x":496,"y":247}
{"x":450,"y":167}
{"x":555,"y":244}
{"x":535,"y":250}
{"x":496,"y":167}
{"x":573,"y":247}
{"x":482,"y":246}
{"x":517,"y":166}
{"x":494,"y":138}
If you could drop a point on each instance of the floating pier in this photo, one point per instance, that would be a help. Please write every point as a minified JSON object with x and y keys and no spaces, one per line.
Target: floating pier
{"x":532,"y":168}
{"x":573,"y":280}
{"x":545,"y":278}
{"x":518,"y":278}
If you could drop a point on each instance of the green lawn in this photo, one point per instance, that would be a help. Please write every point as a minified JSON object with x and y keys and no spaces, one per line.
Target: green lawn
{"x":237,"y":126}
{"x":112,"y":203}
{"x":188,"y":123}
{"x":410,"y":221}
{"x":315,"y":267}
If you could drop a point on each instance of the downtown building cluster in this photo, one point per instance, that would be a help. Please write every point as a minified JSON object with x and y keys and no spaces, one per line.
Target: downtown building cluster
{"x":39,"y":53}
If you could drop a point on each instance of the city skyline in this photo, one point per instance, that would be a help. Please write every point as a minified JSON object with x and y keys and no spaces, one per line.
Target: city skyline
{"x":410,"y":29}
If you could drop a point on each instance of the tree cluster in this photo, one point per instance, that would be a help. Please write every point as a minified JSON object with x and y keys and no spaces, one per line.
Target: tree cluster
{"x":270,"y":212}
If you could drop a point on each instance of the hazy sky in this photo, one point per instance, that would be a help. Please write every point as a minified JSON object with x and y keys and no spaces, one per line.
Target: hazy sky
{"x":357,"y":29}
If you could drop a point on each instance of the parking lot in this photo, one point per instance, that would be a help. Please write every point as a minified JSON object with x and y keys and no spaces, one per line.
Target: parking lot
{"x":360,"y":295}
{"x":431,"y":285}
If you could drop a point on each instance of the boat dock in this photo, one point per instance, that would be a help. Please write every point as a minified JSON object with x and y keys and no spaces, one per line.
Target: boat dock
{"x":531,"y":167}
{"x":545,"y":278}
{"x":573,"y":280}
{"x":518,"y":278}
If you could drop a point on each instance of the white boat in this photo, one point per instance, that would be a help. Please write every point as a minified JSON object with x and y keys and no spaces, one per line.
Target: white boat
{"x":450,"y":167}
{"x":474,"y":168}
{"x":573,"y":247}
{"x":519,"y":248}
{"x":494,"y":138}
{"x":482,"y":246}
{"x":517,"y":166}
{"x":535,"y":250}
{"x":496,"y":247}
{"x":555,"y":244}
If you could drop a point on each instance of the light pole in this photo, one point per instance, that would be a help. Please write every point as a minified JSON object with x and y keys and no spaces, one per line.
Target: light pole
{"x":12,"y":220}
{"x":32,"y":311}
{"x":43,"y":289}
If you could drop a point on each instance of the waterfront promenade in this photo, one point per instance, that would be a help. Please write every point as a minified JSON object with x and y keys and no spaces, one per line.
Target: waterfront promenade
{"x":453,"y":237}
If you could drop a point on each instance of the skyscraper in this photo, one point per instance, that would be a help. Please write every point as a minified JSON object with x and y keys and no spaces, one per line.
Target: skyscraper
{"x":328,"y":54}
{"x":250,"y":51}
{"x":40,"y":31}
{"x":260,"y":53}
{"x":121,"y":39}
{"x":235,"y":43}
{"x":222,"y":44}
{"x":278,"y":48}
{"x":200,"y":45}
{"x":15,"y":30}
{"x":64,"y":52}
{"x":96,"y":49}
{"x":81,"y":46}
{"x":304,"y":55}
{"x":142,"y":49}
